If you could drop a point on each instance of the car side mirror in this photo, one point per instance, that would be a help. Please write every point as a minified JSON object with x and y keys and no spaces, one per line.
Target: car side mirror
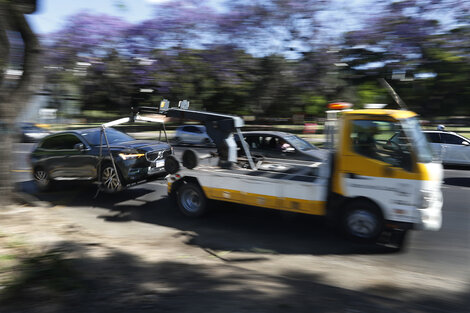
{"x":79,"y":147}
{"x":465,"y":143}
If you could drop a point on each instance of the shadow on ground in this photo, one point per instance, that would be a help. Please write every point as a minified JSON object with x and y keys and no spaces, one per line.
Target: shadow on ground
{"x":122,"y":282}
{"x":226,"y":227}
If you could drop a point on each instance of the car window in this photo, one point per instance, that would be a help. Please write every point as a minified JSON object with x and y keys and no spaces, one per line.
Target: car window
{"x":254,"y":142}
{"x":274,"y":144}
{"x":191,"y":129}
{"x":300,"y":143}
{"x":269,"y":142}
{"x":61,"y":142}
{"x":434,"y":137}
{"x":452,"y":139}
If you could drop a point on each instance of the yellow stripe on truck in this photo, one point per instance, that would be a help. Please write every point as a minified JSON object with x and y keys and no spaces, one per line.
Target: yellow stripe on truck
{"x":271,"y":202}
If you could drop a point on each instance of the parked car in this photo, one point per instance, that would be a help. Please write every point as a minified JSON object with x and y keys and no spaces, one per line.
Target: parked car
{"x":30,"y":132}
{"x":192,"y":134}
{"x":75,"y":155}
{"x":281,"y":145}
{"x":452,"y":148}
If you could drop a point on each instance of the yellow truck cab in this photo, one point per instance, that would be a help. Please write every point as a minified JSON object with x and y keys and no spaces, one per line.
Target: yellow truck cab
{"x":383,"y":166}
{"x":380,"y":175}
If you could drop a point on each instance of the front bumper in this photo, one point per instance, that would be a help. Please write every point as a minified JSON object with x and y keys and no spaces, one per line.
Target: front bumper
{"x":136,"y":170}
{"x":431,"y":217}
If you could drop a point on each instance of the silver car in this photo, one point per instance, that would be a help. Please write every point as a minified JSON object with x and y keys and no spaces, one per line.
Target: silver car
{"x":281,"y":145}
{"x":192,"y":134}
{"x":450,"y":147}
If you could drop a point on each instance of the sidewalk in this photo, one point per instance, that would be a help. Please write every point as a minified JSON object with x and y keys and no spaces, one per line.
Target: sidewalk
{"x":78,"y":263}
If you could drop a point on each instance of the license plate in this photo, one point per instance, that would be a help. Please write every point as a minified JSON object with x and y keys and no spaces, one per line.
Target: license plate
{"x":156,"y":166}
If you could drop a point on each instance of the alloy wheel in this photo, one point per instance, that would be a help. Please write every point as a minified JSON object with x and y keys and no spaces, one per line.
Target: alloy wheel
{"x":110,"y":179}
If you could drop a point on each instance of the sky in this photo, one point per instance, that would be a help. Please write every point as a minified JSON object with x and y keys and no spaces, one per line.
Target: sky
{"x":51,"y":15}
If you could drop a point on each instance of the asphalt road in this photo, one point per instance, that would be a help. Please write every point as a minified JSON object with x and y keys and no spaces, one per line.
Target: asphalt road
{"x":446,"y":252}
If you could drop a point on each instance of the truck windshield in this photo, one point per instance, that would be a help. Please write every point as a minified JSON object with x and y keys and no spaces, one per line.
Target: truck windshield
{"x":420,"y":143}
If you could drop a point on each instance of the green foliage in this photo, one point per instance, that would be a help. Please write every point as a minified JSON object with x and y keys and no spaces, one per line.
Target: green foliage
{"x":224,"y":75}
{"x":370,"y":92}
{"x":315,"y":105}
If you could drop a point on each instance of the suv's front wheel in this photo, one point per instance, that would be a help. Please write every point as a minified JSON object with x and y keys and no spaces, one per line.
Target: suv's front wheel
{"x":110,"y":179}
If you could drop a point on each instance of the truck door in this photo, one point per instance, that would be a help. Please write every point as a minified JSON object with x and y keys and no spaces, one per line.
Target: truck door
{"x":375,"y":162}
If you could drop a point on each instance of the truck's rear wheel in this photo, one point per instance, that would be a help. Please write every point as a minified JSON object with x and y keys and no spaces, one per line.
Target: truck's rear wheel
{"x":191,"y":200}
{"x":362,"y":220}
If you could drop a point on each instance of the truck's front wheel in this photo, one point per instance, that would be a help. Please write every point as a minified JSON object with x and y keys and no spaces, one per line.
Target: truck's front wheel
{"x":362,"y":220}
{"x":191,"y":200}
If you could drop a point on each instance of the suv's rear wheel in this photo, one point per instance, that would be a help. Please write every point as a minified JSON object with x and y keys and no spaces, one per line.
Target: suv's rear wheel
{"x":42,"y":179}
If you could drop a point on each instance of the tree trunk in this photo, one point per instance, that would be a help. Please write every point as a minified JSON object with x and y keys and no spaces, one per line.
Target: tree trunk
{"x":14,"y":98}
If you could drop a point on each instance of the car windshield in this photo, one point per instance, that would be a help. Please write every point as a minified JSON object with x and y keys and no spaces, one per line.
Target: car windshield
{"x":420,"y":143}
{"x":114,"y":136}
{"x":300,"y":143}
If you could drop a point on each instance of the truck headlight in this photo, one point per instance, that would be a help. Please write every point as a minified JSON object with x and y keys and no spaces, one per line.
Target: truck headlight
{"x":426,"y":197}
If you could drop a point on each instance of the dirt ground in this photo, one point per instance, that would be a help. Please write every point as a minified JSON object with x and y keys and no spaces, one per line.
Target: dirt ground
{"x":55,"y":261}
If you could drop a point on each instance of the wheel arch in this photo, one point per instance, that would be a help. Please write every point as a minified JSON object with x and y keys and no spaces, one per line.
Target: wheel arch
{"x":185,"y":180}
{"x":338,"y":206}
{"x":39,"y":166}
{"x":351,"y":201}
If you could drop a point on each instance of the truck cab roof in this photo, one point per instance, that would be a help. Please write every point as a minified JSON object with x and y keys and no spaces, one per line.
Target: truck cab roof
{"x":397,"y":114}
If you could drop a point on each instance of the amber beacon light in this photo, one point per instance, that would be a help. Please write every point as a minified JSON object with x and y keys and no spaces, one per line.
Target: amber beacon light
{"x":339,"y":105}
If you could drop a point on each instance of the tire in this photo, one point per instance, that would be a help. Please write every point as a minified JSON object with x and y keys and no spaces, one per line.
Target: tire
{"x":177,"y":140}
{"x":42,"y":179}
{"x":111,"y":181}
{"x":206,"y":141}
{"x":363,"y":221}
{"x":191,"y":200}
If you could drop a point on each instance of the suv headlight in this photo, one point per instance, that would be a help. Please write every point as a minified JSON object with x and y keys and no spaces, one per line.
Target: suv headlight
{"x":127,"y":156}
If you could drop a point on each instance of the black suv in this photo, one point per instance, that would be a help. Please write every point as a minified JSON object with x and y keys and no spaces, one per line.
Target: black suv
{"x":75,"y":155}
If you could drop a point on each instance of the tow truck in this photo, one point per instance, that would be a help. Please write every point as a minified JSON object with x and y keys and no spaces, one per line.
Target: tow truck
{"x":379,"y":179}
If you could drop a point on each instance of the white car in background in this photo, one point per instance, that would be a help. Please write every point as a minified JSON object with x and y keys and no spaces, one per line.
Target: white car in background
{"x":450,"y":147}
{"x":192,"y":134}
